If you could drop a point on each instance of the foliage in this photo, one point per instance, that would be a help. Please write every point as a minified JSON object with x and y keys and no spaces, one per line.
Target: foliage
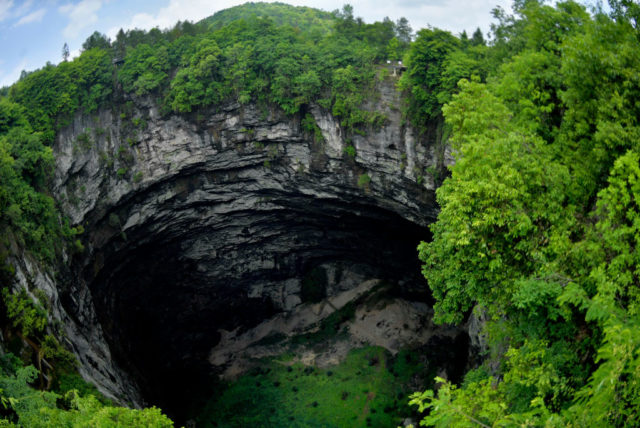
{"x":364,"y":180}
{"x":303,"y":18}
{"x":425,"y":64}
{"x":260,"y":52}
{"x":25,"y":315}
{"x":501,"y":208}
{"x":32,"y":408}
{"x":52,"y":94}
{"x":199,"y":83}
{"x":145,"y":69}
{"x":367,"y":389}
{"x":350,"y":151}
{"x":74,"y":403}
{"x":540,"y":223}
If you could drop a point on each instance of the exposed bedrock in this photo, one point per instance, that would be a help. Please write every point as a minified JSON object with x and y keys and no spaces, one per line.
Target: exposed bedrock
{"x":200,"y":225}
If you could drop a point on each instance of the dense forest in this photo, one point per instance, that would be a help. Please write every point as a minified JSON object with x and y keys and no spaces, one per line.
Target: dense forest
{"x":539,"y":229}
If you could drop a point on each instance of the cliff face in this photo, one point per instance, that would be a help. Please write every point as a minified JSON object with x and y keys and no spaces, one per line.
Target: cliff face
{"x":220,"y":220}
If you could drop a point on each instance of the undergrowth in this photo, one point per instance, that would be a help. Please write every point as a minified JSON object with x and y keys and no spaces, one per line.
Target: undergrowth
{"x":369,"y":388}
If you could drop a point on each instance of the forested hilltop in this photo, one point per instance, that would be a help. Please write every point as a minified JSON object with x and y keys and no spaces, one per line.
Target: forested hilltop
{"x":539,"y":229}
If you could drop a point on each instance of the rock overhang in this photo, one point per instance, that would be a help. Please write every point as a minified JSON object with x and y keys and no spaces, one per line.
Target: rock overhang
{"x":206,"y":223}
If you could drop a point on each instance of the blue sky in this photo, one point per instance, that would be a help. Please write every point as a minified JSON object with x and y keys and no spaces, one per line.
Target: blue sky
{"x":33,"y":32}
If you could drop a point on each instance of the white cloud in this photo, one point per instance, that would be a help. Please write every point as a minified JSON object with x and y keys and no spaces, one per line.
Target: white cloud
{"x":176,"y":10}
{"x":74,"y":54}
{"x":5,"y":8}
{"x":22,"y":8}
{"x":32,"y":17}
{"x":82,"y":15}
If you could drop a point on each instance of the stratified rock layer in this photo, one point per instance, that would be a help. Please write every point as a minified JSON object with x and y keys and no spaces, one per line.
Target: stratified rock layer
{"x":216,"y":221}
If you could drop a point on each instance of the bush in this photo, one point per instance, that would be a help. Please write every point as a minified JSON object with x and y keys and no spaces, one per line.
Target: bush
{"x":364,"y":180}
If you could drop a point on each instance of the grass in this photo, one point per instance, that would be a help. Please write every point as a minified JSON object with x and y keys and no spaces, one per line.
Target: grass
{"x":369,"y":388}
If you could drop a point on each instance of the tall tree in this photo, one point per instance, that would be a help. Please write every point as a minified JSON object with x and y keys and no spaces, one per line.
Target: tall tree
{"x":403,"y":30}
{"x":65,"y":52}
{"x":477,"y":38}
{"x":96,"y":40}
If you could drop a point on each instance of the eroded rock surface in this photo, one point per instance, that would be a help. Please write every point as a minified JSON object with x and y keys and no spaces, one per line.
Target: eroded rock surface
{"x":217,"y":221}
{"x":366,"y":315}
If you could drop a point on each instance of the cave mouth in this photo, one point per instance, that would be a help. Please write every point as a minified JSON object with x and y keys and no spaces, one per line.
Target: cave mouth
{"x":165,"y":288}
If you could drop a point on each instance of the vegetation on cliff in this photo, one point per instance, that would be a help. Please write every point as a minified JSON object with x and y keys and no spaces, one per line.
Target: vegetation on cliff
{"x":539,"y":225}
{"x":275,"y":55}
{"x":539,"y":228}
{"x":50,"y":392}
{"x":237,"y":55}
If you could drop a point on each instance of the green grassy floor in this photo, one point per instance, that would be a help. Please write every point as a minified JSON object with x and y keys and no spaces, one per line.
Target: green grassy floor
{"x":369,"y":388}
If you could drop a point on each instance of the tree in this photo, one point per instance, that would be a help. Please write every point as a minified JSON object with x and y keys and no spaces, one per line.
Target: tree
{"x":200,"y":83}
{"x":96,"y":40}
{"x":403,"y":30}
{"x":464,"y":38}
{"x":120,"y":44}
{"x":393,"y":49}
{"x":65,"y":52}
{"x":477,"y":38}
{"x":498,"y":204}
{"x":611,"y":396}
{"x":145,"y":69}
{"x":346,"y":24}
{"x":422,"y":80}
{"x":626,"y":11}
{"x":540,"y":223}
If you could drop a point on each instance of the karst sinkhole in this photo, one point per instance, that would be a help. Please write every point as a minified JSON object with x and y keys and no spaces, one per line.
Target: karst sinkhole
{"x":165,"y":287}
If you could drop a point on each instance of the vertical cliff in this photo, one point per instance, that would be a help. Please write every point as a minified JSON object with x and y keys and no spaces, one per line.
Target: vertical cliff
{"x":213,"y":222}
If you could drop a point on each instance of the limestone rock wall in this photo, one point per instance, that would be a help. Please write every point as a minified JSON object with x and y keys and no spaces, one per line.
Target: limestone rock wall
{"x":211,"y":221}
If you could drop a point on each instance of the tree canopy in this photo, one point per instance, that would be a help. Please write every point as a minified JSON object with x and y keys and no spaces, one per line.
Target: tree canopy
{"x":539,"y":223}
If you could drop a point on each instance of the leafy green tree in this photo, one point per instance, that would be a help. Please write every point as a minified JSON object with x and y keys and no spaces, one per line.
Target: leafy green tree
{"x":478,"y":39}
{"x":26,"y":316}
{"x":96,"y":40}
{"x":611,"y":396}
{"x":499,"y":209}
{"x":12,"y":115}
{"x":393,"y":49}
{"x":425,"y":63}
{"x":403,"y":30}
{"x":546,"y":247}
{"x":601,"y":118}
{"x":145,"y":69}
{"x":39,"y":409}
{"x":200,"y":83}
{"x":65,"y":52}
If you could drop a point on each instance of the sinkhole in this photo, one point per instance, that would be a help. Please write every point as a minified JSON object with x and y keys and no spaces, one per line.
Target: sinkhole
{"x":163,"y":301}
{"x":166,"y":278}
{"x":202,"y":226}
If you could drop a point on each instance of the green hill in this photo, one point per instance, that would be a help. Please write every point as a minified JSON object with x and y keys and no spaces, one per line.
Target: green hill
{"x":302,"y":17}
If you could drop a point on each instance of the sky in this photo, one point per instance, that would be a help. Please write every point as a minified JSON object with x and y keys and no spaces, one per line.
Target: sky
{"x":33,"y":32}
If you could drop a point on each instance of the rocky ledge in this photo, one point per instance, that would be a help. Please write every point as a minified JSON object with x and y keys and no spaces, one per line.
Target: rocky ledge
{"x":219,"y":221}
